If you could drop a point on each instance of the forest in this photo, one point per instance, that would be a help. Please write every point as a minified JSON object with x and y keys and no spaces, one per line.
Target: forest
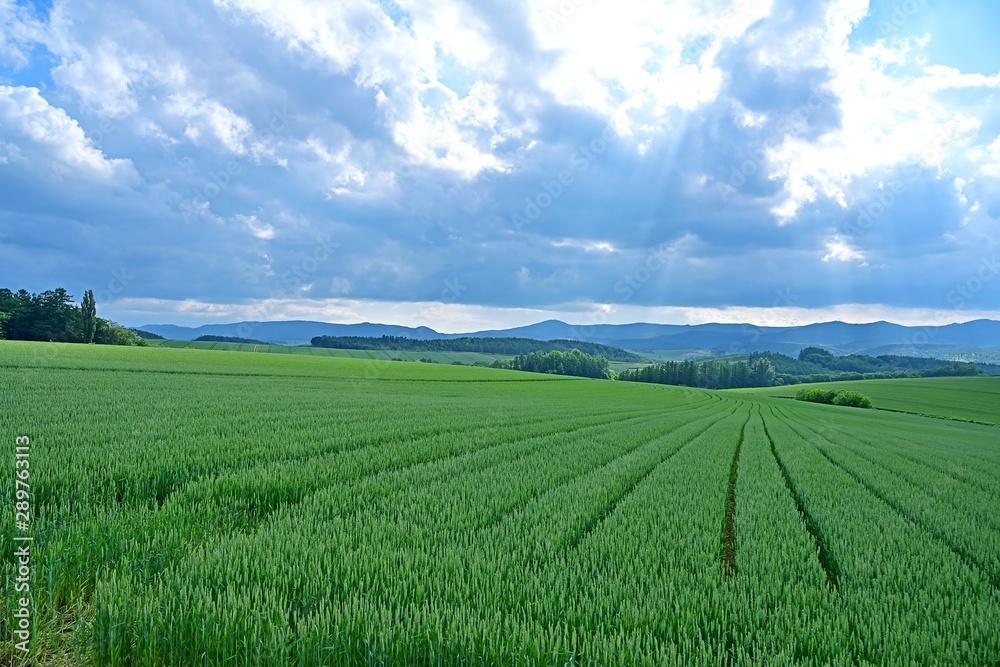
{"x":574,"y":362}
{"x":53,"y":316}
{"x":515,"y":346}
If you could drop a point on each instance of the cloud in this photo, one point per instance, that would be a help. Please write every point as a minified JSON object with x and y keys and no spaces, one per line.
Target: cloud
{"x":18,"y":30}
{"x":463,"y":318}
{"x":258,"y":228}
{"x":434,"y":124}
{"x":548,"y":157}
{"x":886,"y":119}
{"x":46,"y":138}
{"x":840,"y":250}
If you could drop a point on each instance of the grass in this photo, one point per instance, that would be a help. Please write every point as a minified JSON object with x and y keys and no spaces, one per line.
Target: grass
{"x":283,"y":509}
{"x":675,"y":355}
{"x":467,"y":358}
{"x":975,"y":399}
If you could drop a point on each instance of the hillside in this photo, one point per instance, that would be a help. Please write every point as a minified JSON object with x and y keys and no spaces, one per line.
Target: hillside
{"x":969,"y":341}
{"x":965,"y":398}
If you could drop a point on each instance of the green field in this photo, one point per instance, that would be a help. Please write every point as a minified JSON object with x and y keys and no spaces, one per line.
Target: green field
{"x":676,"y":355}
{"x":966,"y":398}
{"x":193,"y":508}
{"x":467,"y":358}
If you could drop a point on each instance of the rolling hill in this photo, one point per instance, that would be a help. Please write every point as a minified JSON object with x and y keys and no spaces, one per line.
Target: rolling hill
{"x":977,"y":340}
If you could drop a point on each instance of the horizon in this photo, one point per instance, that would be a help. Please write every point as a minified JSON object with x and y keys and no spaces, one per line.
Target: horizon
{"x":472,"y":166}
{"x":570,"y":324}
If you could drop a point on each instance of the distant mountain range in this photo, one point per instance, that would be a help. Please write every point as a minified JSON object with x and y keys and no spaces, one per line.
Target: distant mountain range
{"x":978,"y":340}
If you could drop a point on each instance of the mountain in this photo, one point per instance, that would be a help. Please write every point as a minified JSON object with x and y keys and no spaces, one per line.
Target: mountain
{"x":838,"y":337}
{"x":293,"y":332}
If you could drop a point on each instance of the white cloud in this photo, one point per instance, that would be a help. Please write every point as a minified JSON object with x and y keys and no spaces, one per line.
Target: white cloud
{"x":205,"y":116}
{"x":48,"y":133}
{"x":991,"y":160}
{"x":17,"y":31}
{"x":639,"y":62}
{"x":106,"y":78}
{"x":349,"y":177}
{"x":255,"y":226}
{"x":586,"y":246}
{"x":402,"y":110}
{"x":840,"y":250}
{"x":886,"y":119}
{"x":463,"y":318}
{"x":112,"y":60}
{"x":409,"y":71}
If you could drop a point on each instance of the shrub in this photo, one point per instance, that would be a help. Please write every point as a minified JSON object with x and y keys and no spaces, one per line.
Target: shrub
{"x":816,"y":395}
{"x":830,"y":397}
{"x":852,"y":399}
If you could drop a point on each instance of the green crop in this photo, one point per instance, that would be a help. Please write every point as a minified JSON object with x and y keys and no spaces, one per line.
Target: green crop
{"x":975,"y":399}
{"x":198,"y":508}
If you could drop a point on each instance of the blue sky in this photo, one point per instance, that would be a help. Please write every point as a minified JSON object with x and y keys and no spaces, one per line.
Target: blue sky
{"x":469,"y":165}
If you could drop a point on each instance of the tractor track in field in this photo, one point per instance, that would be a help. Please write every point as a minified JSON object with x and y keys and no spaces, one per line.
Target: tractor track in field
{"x":527,"y":498}
{"x":593,"y":524}
{"x":261,"y":516}
{"x":258,"y":514}
{"x":985,"y":518}
{"x":978,"y":485}
{"x":496,"y":521}
{"x":729,"y":520}
{"x":967,"y":558}
{"x":826,"y":558}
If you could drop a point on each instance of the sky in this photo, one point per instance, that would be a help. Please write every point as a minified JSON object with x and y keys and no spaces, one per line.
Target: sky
{"x":475,"y":165}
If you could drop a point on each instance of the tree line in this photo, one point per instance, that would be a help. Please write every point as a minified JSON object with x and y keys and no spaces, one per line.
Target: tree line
{"x":711,"y":374}
{"x":574,"y":363}
{"x":483,"y":345}
{"x":209,"y":338}
{"x":53,"y":316}
{"x":815,"y":364}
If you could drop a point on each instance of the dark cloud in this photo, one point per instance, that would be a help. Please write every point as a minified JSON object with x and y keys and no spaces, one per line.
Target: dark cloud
{"x":578,"y":214}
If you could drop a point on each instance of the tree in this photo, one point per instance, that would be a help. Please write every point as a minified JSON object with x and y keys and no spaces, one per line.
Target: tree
{"x":762,"y":373}
{"x":111,"y":333}
{"x":815,"y":355}
{"x":60,"y":319}
{"x":88,"y":315}
{"x":3,"y":320}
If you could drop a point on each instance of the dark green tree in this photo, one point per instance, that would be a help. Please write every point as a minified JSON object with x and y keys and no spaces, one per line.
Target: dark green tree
{"x":88,"y":316}
{"x":762,"y":373}
{"x":112,"y":333}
